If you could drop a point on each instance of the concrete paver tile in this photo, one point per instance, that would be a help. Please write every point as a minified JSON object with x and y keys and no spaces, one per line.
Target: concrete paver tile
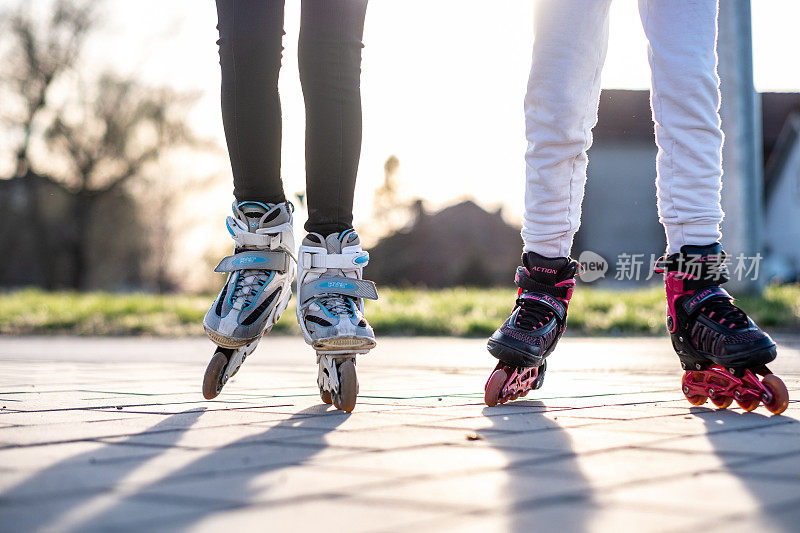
{"x":308,"y":516}
{"x":758,"y":441}
{"x":608,"y":444}
{"x":699,"y":493}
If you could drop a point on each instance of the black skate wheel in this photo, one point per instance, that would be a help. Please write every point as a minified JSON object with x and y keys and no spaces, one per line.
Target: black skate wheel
{"x":494,"y":387}
{"x":780,"y":394}
{"x":348,"y":387}
{"x":212,"y":381}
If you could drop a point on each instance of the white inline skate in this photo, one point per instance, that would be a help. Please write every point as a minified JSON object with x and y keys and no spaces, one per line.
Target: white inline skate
{"x":258,"y":289}
{"x":330,"y":310}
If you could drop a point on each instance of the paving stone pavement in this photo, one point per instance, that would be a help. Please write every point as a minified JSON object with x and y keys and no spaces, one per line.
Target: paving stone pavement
{"x":105,"y":434}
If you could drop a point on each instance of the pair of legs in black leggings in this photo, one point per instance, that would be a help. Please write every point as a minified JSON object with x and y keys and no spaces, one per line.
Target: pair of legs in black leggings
{"x":250,"y":48}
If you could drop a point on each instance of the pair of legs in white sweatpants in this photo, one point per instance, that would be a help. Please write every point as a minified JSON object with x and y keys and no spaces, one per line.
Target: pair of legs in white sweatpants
{"x":570,"y":43}
{"x":718,"y":345}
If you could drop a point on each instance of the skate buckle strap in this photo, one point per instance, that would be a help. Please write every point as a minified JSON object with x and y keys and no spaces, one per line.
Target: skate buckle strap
{"x":351,"y":261}
{"x":525,"y":282}
{"x":254,"y":260}
{"x":692,"y":304}
{"x":262,"y":240}
{"x":548,"y":301}
{"x":354,"y":288}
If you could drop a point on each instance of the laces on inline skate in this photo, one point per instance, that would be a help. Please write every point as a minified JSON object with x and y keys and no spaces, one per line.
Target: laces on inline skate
{"x":532,"y":315}
{"x":724,"y":313}
{"x":337,"y":305}
{"x":248,"y":283}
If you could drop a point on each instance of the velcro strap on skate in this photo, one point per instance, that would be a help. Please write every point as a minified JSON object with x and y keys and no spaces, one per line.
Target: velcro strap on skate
{"x":352,"y":261}
{"x":354,"y":288}
{"x":692,"y":305}
{"x":696,"y":271}
{"x":527,"y":283}
{"x":254,"y":260}
{"x":261,"y":240}
{"x":545,"y":299}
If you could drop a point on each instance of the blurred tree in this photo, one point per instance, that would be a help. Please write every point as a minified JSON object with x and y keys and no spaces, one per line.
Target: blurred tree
{"x":87,"y":138}
{"x":390,"y":211}
{"x":110,"y":138}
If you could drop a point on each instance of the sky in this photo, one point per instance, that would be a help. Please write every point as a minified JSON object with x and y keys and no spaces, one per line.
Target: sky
{"x":443,"y":84}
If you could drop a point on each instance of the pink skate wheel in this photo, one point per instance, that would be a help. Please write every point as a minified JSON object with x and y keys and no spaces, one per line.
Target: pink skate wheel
{"x":780,"y":394}
{"x":748,"y":405}
{"x":697,"y":400}
{"x":688,"y":379}
{"x":722,"y":403}
{"x":494,"y":387}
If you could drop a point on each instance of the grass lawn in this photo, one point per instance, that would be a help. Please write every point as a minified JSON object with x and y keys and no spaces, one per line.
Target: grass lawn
{"x":459,"y":311}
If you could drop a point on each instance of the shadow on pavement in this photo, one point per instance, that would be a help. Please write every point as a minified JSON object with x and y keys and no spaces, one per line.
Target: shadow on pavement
{"x":546,"y":489}
{"x":223,"y":480}
{"x":782,"y":515}
{"x":49,"y":495}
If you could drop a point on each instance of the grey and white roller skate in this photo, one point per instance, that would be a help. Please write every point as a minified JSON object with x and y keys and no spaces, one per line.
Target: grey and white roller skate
{"x":258,"y":289}
{"x":330,"y":310}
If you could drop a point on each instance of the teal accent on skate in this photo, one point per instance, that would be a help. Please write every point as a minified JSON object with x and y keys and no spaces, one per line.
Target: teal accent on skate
{"x":249,"y":260}
{"x":260,"y":204}
{"x":334,"y":285}
{"x":344,"y":233}
{"x":231,"y":291}
{"x":362,"y":259}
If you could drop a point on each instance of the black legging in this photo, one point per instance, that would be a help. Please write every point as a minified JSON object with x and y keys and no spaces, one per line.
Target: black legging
{"x":250,"y":33}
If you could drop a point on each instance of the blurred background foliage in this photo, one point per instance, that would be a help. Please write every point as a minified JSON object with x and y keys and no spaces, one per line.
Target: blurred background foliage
{"x":469,"y":312}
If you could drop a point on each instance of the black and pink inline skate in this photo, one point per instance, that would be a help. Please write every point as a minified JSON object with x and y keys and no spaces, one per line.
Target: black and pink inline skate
{"x":721,"y":349}
{"x":532,"y":331}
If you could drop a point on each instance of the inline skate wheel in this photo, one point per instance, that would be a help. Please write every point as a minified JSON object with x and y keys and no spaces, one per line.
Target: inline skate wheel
{"x":696,"y":400}
{"x":748,"y":405}
{"x":494,"y":387}
{"x":325,"y":396}
{"x":348,"y":387}
{"x":722,"y":403}
{"x":212,"y":381}
{"x":780,"y":394}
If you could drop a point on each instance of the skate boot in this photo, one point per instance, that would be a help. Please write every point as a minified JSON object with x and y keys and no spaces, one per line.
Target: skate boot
{"x":532,"y":331}
{"x":330,"y":310}
{"x":258,"y":289}
{"x":721,"y":349}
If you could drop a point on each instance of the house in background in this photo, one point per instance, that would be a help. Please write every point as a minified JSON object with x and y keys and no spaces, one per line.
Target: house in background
{"x":460,"y":245}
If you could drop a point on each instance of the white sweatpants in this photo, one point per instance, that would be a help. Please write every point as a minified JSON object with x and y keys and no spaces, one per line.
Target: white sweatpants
{"x":570,"y":43}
